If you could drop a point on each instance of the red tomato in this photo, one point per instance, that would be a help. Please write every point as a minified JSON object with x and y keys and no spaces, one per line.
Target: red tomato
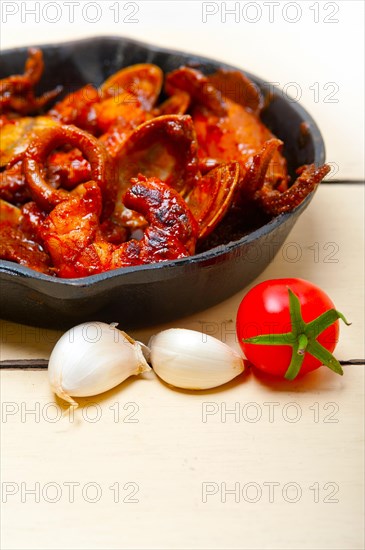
{"x":265,"y":310}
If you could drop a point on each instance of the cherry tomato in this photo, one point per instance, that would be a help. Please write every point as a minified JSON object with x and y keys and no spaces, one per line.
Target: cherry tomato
{"x":286,"y":307}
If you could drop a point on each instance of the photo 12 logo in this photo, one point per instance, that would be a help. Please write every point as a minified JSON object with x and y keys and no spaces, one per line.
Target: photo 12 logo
{"x":69,"y":491}
{"x":252,"y":492}
{"x":52,"y":413}
{"x":69,"y":12}
{"x":269,"y":411}
{"x":270,"y":12}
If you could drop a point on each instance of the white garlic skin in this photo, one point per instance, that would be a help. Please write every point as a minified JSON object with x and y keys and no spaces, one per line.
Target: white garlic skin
{"x":92,"y":358}
{"x":191,"y":360}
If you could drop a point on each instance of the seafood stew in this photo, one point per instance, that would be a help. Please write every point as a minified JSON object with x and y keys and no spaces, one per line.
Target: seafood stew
{"x":228,"y":259}
{"x":114,"y":176}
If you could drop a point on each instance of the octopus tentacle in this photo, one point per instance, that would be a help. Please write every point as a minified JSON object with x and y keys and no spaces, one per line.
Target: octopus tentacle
{"x":16,"y":92}
{"x":75,"y":241}
{"x":274,"y":202}
{"x":39,"y":149}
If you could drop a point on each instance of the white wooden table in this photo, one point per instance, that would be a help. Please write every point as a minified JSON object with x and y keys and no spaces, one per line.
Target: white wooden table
{"x":251,"y":465}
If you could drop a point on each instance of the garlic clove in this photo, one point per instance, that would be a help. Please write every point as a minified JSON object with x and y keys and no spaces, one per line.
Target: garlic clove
{"x":92,"y":358}
{"x":192,"y":360}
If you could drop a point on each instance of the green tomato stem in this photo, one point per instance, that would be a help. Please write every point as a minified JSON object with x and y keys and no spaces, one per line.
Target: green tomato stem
{"x":295,"y":363}
{"x":302,"y":344}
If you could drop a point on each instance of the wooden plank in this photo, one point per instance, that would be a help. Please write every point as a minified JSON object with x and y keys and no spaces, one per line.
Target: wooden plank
{"x":251,"y":465}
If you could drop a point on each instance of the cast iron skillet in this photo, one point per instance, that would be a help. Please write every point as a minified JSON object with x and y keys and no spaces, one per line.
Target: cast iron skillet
{"x":145,"y":295}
